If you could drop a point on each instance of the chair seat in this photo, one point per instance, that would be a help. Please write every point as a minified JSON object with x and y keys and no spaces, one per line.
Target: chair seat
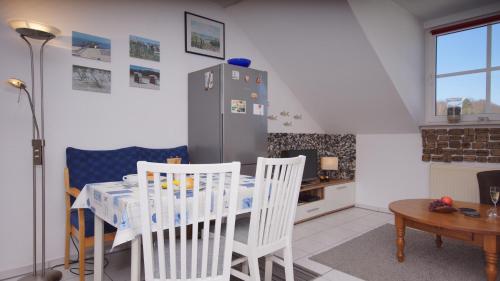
{"x":240,"y":232}
{"x":89,"y":223}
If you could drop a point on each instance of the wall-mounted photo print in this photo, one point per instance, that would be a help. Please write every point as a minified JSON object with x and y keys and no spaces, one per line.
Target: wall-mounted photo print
{"x":204,"y":36}
{"x":143,"y":48}
{"x":91,"y":79}
{"x":143,"y":77}
{"x":91,"y":47}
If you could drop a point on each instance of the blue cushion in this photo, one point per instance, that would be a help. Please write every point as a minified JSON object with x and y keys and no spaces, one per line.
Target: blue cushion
{"x":161,"y":155}
{"x":90,"y":166}
{"x":89,"y":223}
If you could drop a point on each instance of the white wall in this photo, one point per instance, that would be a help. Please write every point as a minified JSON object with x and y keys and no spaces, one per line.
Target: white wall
{"x":321,"y":51}
{"x":397,"y":37}
{"x":389,"y":168}
{"x":129,"y":116}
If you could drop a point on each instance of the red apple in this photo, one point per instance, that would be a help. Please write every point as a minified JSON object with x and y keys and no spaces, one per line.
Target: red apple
{"x":447,"y":200}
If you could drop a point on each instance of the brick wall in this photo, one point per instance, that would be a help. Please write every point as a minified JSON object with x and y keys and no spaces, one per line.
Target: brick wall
{"x":461,"y":145}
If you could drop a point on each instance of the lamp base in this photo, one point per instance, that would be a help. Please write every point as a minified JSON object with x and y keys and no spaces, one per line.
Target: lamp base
{"x":50,"y":275}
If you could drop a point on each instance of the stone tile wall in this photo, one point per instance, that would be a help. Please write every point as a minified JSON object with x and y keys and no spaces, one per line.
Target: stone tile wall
{"x":461,"y":145}
{"x":342,"y":146}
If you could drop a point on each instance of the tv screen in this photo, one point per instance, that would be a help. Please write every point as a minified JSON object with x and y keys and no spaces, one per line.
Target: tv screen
{"x":311,"y":166}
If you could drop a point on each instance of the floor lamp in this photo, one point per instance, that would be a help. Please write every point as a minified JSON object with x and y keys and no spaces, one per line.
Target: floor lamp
{"x":36,"y":31}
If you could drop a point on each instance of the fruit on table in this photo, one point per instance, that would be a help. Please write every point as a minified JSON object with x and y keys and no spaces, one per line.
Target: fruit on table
{"x":189,"y":183}
{"x":442,"y":205}
{"x":447,"y":200}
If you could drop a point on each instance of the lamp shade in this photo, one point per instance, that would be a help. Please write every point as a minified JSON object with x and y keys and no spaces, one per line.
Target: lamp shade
{"x":329,"y":163}
{"x":34,"y":30}
{"x":16,"y":83}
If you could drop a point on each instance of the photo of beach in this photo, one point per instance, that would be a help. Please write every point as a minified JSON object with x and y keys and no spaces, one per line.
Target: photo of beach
{"x":91,"y":79}
{"x":143,"y":48}
{"x":204,"y":36}
{"x":91,"y":47}
{"x":143,"y":77}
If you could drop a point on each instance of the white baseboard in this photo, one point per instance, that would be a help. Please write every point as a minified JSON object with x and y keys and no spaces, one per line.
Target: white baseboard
{"x":373,"y":208}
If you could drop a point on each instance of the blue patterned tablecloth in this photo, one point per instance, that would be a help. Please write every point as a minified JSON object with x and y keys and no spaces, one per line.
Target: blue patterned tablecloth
{"x":117,"y":203}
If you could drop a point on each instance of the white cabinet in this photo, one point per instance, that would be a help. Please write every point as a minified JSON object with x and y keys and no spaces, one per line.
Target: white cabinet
{"x":334,"y":196}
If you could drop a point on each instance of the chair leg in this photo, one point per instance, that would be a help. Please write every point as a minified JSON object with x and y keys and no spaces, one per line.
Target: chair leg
{"x":253,"y":264}
{"x":66,"y":248}
{"x":288,"y":260}
{"x":269,"y":268}
{"x":81,"y":257}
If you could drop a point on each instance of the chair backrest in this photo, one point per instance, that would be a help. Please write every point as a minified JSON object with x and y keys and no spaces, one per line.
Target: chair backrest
{"x":485,"y":180}
{"x":205,"y":194}
{"x":277,"y":187}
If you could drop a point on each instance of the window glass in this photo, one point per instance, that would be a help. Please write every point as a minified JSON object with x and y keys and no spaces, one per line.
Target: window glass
{"x":471,"y":87}
{"x":495,"y":92}
{"x":460,"y":51}
{"x":495,"y":49}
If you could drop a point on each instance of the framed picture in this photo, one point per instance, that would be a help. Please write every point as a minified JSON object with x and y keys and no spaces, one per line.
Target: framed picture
{"x":91,"y":79}
{"x":144,"y":77}
{"x":143,"y":48}
{"x":204,"y":36}
{"x":91,"y":47}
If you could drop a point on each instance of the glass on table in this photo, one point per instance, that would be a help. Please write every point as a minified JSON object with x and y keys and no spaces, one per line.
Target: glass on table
{"x":494,"y":194}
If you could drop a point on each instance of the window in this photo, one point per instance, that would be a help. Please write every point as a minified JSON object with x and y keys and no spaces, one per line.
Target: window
{"x":467,"y":66}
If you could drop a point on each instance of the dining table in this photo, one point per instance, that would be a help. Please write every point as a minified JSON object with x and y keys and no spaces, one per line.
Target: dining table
{"x":117,"y":203}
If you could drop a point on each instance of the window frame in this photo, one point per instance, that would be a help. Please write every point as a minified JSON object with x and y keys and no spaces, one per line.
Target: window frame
{"x":431,"y":77}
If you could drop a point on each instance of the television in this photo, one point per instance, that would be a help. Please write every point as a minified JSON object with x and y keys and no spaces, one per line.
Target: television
{"x":311,"y":166}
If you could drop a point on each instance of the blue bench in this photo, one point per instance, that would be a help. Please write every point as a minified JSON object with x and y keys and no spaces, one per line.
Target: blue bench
{"x":91,"y":166}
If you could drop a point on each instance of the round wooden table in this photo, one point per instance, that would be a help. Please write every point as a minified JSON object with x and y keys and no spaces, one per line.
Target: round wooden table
{"x":481,"y":231}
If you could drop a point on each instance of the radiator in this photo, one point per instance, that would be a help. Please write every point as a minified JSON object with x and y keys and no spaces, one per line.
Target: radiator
{"x":459,"y":182}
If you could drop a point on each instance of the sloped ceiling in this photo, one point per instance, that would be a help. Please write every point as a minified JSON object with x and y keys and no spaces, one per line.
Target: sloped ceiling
{"x":431,"y":9}
{"x":320,"y":50}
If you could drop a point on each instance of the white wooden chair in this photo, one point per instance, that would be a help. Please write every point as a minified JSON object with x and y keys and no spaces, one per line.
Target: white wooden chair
{"x":277,"y":186}
{"x":212,"y":197}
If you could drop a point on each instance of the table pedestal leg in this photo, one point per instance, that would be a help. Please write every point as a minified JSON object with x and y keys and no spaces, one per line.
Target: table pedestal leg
{"x":98,"y":248}
{"x":490,"y":253}
{"x":400,"y":240}
{"x":135,"y":264}
{"x":439,"y":241}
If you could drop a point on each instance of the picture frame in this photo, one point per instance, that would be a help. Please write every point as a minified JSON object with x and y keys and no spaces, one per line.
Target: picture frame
{"x":90,"y":46}
{"x":204,"y":36}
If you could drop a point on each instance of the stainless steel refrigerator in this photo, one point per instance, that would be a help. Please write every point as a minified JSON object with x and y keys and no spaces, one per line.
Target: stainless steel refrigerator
{"x":227,"y":115}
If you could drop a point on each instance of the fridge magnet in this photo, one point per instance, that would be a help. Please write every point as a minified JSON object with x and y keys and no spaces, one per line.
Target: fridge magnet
{"x":272,"y":117}
{"x":209,"y":80}
{"x":143,"y":48}
{"x":259,"y":79}
{"x":236,"y":75}
{"x":297,"y":116}
{"x":258,"y":109}
{"x":238,"y":106}
{"x":254,"y":96}
{"x":287,"y":124}
{"x":91,"y":79}
{"x":143,"y":77}
{"x":247,"y":78}
{"x":90,"y":47}
{"x":204,"y":36}
{"x":285,"y":113}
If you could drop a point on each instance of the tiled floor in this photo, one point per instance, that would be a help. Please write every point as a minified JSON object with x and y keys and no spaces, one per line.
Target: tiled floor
{"x":310,"y":238}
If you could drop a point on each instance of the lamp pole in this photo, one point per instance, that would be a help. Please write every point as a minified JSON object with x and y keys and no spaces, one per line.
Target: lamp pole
{"x":37,"y":31}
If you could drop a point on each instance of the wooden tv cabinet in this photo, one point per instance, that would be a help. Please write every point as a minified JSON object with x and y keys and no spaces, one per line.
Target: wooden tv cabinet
{"x":334,"y":195}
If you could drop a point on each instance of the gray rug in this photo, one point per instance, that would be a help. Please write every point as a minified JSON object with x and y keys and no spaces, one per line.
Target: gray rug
{"x":300,"y":273}
{"x":372,"y":257}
